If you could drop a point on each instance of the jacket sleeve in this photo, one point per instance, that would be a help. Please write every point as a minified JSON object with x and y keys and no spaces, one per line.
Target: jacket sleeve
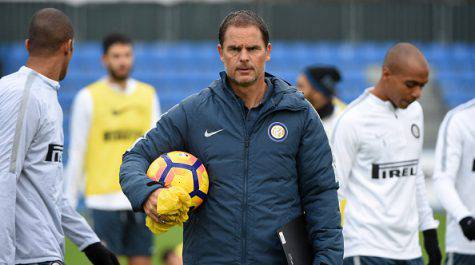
{"x":448,"y":157}
{"x":75,"y":226}
{"x":168,"y":135}
{"x":318,"y":192}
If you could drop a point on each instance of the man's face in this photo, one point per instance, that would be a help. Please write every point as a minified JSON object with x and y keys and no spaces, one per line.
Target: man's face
{"x":119,"y":60}
{"x":406,"y":86}
{"x":244,"y":54}
{"x":317,"y":99}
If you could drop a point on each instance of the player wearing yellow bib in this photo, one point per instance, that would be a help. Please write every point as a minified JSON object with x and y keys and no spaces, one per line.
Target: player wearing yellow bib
{"x":107,"y":117}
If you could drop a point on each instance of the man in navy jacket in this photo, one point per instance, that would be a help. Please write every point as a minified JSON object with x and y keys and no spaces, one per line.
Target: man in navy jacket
{"x":265,"y":151}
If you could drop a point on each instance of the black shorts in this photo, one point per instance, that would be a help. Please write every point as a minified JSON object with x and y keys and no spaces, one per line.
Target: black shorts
{"x":459,"y":259}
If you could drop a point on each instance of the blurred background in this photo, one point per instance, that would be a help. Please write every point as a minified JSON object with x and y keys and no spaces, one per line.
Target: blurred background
{"x":175,"y":48}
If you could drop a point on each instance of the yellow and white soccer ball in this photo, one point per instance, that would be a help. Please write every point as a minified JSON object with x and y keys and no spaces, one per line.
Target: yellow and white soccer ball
{"x":181,"y":169}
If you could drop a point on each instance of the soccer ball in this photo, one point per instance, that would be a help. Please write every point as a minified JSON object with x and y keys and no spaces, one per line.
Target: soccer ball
{"x":181,"y":169}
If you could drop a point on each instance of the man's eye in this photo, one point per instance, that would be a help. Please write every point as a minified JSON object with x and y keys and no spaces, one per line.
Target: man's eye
{"x":410,"y":84}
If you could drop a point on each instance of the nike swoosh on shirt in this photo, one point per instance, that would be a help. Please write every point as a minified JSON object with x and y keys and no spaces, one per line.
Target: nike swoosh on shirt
{"x":209,"y":134}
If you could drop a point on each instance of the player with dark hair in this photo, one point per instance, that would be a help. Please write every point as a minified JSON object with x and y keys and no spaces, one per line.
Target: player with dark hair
{"x":377,"y":143}
{"x":454,"y":181}
{"x":35,"y":214}
{"x":265,"y":151}
{"x":318,"y":84}
{"x":107,"y":117}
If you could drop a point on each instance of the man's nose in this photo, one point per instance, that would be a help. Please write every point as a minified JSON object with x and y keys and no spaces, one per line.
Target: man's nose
{"x":244,"y":55}
{"x":417,"y":93}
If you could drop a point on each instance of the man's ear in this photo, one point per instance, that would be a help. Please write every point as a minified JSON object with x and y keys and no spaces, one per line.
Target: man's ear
{"x":268,"y":50}
{"x":385,"y":72}
{"x":28,"y":45}
{"x":220,"y":51}
{"x":67,"y":46}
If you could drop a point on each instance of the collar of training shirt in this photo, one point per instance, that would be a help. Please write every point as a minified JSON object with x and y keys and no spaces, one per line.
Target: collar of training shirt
{"x":385,"y":104}
{"x":52,"y":83}
{"x":129,"y":88}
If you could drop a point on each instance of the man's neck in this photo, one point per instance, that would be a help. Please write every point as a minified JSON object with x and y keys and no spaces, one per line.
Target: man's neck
{"x":48,"y":67}
{"x":122,"y":84}
{"x":251,"y":95}
{"x":378,"y":91}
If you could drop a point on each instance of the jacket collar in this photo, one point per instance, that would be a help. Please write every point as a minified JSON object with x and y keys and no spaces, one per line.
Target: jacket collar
{"x":283,"y":96}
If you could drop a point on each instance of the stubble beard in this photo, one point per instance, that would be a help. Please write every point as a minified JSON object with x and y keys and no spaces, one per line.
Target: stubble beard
{"x":117,"y":77}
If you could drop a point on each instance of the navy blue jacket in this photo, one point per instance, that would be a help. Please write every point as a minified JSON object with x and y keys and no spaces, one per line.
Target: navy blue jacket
{"x":260,"y":178}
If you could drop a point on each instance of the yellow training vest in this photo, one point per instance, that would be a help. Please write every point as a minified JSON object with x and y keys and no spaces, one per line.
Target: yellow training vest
{"x":117,"y":120}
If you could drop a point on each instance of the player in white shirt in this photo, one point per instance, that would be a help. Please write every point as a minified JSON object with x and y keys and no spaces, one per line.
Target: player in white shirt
{"x":318,"y":84}
{"x":377,"y":144}
{"x":454,"y":180}
{"x":35,"y":214}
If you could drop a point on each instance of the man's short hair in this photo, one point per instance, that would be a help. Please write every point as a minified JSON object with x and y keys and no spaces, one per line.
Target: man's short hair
{"x":49,"y":29}
{"x":112,"y":39}
{"x":243,"y":18}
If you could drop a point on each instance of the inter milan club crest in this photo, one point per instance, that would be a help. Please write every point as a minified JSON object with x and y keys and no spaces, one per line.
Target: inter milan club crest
{"x":416,"y":132}
{"x":277,"y":132}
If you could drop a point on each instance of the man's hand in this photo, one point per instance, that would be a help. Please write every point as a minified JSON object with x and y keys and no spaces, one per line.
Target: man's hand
{"x":100,"y":255}
{"x":468,"y":227}
{"x":431,"y":244}
{"x":150,"y":206}
{"x":167,"y":207}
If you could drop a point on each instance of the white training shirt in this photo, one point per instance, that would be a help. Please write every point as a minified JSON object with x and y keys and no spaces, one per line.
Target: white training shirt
{"x":454,"y":173}
{"x":80,"y":124}
{"x":377,"y":150}
{"x":35,"y":215}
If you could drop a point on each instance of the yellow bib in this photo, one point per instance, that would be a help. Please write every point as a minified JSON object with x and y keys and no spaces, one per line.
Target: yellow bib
{"x":117,"y":120}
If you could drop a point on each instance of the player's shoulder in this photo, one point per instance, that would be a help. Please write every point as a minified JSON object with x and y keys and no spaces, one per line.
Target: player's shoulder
{"x":83,"y":95}
{"x":144,"y":86}
{"x":462,"y":112}
{"x":357,"y":109}
{"x":96,"y":85}
{"x":12,"y":86}
{"x":464,"y":108}
{"x":11,"y":81}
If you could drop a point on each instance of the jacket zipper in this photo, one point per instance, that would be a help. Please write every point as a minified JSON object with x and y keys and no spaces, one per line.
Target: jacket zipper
{"x":244,"y":211}
{"x":247,"y":137}
{"x":246,"y":175}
